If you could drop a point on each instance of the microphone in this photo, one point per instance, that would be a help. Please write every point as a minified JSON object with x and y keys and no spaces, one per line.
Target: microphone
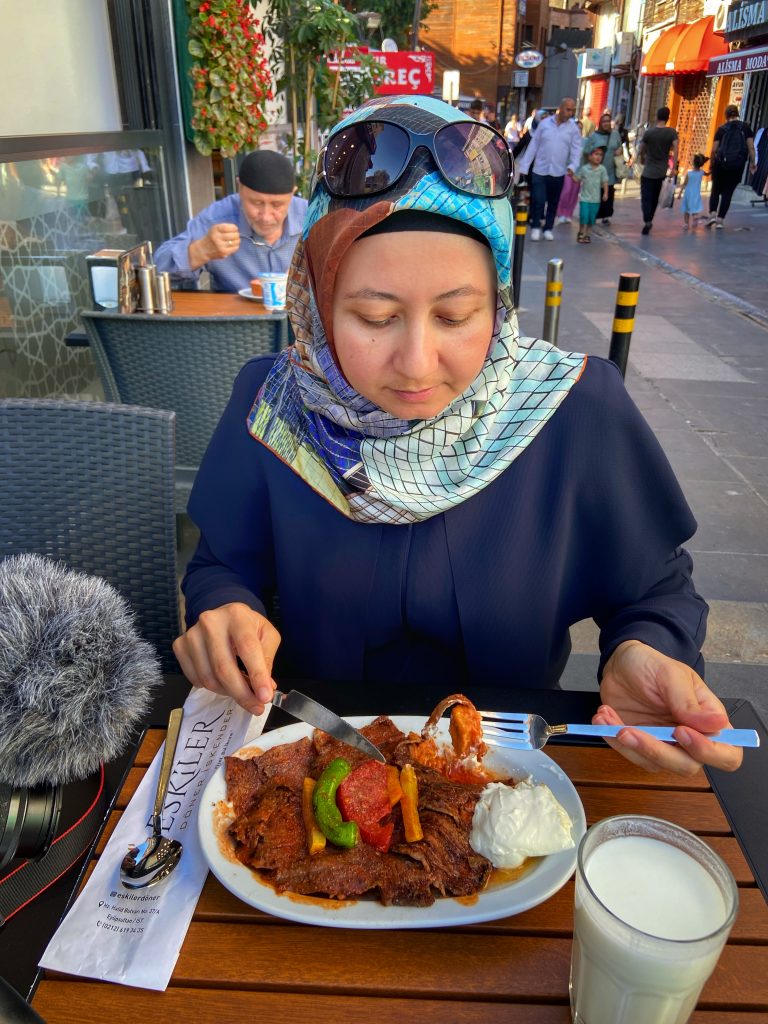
{"x":75,"y":679}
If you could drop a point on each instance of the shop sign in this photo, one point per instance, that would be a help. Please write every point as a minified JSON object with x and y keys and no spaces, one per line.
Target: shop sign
{"x":594,"y":62}
{"x":519,"y":79}
{"x":737,"y":92}
{"x":739,"y":62}
{"x":406,"y":72}
{"x":411,"y":72}
{"x":529,"y":59}
{"x":748,"y":18}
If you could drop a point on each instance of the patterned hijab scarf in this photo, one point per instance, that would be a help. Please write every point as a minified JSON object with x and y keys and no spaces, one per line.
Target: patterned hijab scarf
{"x":372,"y":466}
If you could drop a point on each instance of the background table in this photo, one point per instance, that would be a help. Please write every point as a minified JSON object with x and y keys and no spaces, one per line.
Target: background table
{"x":238,"y":963}
{"x":198,"y":304}
{"x":215,"y":304}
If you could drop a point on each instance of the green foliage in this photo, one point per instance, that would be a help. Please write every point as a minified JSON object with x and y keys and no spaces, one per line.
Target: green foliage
{"x":230,"y":77}
{"x":396,"y":17}
{"x":304,"y":33}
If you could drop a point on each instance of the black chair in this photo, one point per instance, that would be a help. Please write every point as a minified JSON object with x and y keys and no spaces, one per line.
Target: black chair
{"x":186,"y":364}
{"x":92,"y":485}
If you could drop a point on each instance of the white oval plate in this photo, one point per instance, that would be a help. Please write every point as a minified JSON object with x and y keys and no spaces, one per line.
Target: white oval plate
{"x":543,"y":880}
{"x":246,"y":293}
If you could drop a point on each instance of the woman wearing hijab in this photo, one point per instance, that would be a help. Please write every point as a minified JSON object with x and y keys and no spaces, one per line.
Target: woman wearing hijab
{"x":609,"y":139}
{"x":431,"y":496}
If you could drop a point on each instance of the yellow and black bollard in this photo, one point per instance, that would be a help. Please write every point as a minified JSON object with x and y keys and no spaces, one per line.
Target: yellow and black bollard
{"x":521,"y":223}
{"x":624,"y":320}
{"x":554,"y":295}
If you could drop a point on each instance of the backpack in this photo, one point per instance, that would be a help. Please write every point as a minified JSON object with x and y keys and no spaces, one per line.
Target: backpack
{"x":732,"y":149}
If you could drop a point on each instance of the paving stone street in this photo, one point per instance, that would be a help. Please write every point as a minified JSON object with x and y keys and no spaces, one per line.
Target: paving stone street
{"x":698,"y":370}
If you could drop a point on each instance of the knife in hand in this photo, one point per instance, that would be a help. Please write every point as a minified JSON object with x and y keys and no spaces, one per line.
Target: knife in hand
{"x":309,"y":711}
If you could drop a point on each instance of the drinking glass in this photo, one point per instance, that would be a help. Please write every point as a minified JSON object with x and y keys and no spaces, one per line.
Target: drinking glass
{"x":273,"y":288}
{"x":654,"y":906}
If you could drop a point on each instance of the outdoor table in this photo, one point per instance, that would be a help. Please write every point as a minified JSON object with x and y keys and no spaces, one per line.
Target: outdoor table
{"x":215,"y":304}
{"x":200,"y":304}
{"x":239,"y":963}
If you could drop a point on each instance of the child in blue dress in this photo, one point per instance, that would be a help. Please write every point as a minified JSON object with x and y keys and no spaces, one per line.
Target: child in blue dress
{"x":690,"y":191}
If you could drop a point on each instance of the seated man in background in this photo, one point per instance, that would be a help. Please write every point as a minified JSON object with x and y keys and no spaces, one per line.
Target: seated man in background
{"x":241,"y":236}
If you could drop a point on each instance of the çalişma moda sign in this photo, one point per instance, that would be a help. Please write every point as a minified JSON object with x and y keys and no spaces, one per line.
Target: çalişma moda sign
{"x":739,"y":62}
{"x":742,"y":16}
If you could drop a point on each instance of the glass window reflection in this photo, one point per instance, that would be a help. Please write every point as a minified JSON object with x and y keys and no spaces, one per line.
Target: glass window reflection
{"x":54,"y":211}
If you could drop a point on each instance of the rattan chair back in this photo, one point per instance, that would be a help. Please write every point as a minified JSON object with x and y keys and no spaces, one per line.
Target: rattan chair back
{"x":91,"y":484}
{"x":186,"y":364}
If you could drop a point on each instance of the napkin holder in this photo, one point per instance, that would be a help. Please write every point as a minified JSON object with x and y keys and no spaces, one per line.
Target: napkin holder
{"x":113,"y":277}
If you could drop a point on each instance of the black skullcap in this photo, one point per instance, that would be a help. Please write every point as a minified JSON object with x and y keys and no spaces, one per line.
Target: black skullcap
{"x":269,"y":172}
{"x":420,"y":220}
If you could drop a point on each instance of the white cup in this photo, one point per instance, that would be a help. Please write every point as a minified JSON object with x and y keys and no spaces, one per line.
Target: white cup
{"x":654,"y":906}
{"x":273,"y":288}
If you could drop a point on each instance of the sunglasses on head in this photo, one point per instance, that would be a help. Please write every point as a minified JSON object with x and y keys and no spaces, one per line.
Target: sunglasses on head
{"x":369,"y":157}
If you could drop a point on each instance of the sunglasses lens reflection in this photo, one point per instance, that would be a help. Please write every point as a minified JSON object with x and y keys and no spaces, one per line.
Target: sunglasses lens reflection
{"x":474,"y":159}
{"x":365,"y":158}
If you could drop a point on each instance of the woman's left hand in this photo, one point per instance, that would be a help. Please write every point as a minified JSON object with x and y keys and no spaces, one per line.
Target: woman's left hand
{"x":642,"y":686}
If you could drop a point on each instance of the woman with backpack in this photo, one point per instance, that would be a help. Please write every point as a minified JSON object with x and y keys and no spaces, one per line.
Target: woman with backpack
{"x":734,"y":144}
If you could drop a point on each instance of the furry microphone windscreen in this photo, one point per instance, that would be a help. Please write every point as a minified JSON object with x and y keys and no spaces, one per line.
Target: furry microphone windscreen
{"x":75,"y":677}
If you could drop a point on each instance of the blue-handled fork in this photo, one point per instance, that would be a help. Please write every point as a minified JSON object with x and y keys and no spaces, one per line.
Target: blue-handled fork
{"x":531,"y":732}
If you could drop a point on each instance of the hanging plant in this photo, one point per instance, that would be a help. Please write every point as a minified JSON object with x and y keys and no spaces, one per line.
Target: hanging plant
{"x":231,"y":80}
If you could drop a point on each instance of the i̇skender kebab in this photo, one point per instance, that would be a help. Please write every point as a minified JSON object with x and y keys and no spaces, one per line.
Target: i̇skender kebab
{"x":315,"y":817}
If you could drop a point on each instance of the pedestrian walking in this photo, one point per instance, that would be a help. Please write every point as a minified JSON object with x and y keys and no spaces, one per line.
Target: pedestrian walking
{"x":512,"y":131}
{"x":594,"y":187}
{"x":555,"y":148}
{"x":587,"y":124}
{"x":690,"y":191}
{"x":733,"y":145}
{"x":489,"y":117}
{"x":568,"y":199}
{"x":607,"y":138}
{"x":654,"y":152}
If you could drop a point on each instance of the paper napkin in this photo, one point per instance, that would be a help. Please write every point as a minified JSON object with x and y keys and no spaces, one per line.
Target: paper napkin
{"x":133,"y":937}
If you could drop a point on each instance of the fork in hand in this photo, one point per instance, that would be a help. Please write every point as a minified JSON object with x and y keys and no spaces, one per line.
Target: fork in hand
{"x":531,"y":732}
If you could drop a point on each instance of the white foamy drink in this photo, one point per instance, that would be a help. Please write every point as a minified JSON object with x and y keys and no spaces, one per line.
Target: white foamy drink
{"x":645,"y":947}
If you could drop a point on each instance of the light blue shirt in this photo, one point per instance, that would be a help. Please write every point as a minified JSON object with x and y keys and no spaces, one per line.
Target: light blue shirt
{"x":253,"y":257}
{"x":554,"y":148}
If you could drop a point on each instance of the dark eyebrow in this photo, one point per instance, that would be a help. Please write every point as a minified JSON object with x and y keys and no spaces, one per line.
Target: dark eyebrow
{"x":373,"y":293}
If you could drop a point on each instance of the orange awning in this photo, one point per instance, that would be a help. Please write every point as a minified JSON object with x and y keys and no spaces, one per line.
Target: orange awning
{"x":695,"y":47}
{"x":655,"y":62}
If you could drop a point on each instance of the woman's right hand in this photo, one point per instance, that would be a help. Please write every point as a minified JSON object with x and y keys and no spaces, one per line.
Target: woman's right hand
{"x":208,"y":654}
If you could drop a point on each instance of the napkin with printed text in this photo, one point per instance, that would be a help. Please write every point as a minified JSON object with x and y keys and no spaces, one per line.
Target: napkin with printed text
{"x":133,"y":937}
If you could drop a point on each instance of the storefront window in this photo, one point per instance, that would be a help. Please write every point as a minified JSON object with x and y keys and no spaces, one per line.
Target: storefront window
{"x":54,"y":212}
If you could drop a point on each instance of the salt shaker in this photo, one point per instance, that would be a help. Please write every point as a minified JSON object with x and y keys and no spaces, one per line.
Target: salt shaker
{"x":147,"y":286}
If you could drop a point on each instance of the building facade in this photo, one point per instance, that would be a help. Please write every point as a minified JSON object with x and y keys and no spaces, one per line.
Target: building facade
{"x":679,"y":40}
{"x":479,"y":39}
{"x":608,"y":69}
{"x":741,"y":76}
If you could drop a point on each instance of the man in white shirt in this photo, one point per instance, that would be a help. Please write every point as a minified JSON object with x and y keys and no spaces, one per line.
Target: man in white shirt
{"x":554,"y":150}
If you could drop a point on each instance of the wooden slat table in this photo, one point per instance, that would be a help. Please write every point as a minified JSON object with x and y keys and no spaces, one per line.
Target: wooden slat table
{"x":190,"y":304}
{"x":215,"y":304}
{"x":238,"y":963}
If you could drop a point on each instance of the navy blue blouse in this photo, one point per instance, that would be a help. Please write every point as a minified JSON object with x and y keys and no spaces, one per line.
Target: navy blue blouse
{"x":586,"y":523}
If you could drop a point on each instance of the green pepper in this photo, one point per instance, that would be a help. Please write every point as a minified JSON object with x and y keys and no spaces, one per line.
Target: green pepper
{"x":327,"y":814}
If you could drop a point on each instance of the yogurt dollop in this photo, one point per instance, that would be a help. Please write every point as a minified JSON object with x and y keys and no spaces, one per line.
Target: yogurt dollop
{"x":512,"y":823}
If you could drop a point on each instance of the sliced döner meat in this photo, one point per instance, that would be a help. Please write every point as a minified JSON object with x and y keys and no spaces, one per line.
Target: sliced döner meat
{"x":285,"y":765}
{"x":270,"y":834}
